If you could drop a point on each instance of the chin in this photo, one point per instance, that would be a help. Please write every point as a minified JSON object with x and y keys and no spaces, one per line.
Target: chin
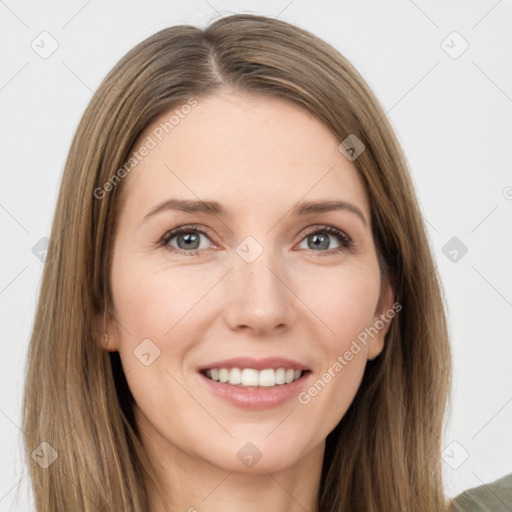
{"x":258,"y":456}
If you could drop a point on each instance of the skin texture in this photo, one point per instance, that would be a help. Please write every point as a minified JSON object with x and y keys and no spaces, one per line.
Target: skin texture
{"x":258,"y":156}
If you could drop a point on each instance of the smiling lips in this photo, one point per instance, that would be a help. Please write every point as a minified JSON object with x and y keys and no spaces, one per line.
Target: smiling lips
{"x":261,"y":385}
{"x":248,"y":372}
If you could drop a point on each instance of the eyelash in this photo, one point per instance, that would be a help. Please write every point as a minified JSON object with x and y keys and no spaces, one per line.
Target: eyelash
{"x":346,"y":243}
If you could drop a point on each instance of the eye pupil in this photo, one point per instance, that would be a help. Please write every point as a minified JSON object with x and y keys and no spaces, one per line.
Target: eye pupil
{"x":189,"y":240}
{"x":321,"y":241}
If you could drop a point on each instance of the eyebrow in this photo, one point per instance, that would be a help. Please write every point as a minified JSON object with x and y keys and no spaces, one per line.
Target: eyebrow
{"x":215,"y":208}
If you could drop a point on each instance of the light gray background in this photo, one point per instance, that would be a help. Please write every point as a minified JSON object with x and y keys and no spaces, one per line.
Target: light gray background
{"x":453,"y":117}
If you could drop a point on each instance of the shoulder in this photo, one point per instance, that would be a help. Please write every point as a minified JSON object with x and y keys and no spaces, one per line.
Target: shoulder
{"x":493,"y":497}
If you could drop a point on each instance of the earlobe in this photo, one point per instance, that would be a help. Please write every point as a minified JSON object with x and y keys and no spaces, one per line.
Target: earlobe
{"x":110,"y":337}
{"x":109,"y":341}
{"x":384,"y":314}
{"x":105,"y":333}
{"x":107,"y":344}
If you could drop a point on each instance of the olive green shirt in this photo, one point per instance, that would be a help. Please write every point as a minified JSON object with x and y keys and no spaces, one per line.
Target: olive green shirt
{"x":493,"y":497}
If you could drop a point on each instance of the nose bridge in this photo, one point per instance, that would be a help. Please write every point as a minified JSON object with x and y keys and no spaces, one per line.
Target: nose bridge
{"x":259,"y":277}
{"x":257,"y":296}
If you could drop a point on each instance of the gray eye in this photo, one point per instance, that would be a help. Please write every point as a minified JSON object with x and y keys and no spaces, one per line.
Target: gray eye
{"x":187,"y":240}
{"x":318,"y":241}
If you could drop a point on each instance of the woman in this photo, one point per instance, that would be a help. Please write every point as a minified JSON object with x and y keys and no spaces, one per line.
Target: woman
{"x":239,"y":309}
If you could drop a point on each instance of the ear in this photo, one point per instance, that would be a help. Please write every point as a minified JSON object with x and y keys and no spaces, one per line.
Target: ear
{"x":105,"y":331}
{"x":384,"y":314}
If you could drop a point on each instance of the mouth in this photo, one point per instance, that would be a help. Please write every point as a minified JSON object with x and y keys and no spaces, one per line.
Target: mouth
{"x":252,"y":378}
{"x":255,"y":384}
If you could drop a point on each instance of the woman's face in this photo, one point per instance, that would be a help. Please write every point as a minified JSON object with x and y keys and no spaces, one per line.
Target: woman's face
{"x":258,"y":293}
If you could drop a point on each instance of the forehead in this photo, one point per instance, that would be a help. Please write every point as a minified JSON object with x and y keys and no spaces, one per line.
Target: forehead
{"x":249,"y":149}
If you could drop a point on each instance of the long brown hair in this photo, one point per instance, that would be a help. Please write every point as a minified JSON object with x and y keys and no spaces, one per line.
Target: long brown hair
{"x":384,"y":455}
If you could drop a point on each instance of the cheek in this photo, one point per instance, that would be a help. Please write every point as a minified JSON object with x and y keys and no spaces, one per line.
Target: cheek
{"x":160,"y":304}
{"x":344,"y":300}
{"x":152,"y":299}
{"x":165,"y":305}
{"x":331,"y":393}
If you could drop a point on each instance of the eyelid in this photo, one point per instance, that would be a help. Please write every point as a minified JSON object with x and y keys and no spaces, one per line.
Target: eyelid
{"x":316,"y":228}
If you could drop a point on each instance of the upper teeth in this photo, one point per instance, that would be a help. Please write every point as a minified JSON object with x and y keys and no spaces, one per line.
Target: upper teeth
{"x":251,"y":377}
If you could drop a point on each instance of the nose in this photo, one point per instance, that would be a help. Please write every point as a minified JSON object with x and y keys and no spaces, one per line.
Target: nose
{"x":257,"y":296}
